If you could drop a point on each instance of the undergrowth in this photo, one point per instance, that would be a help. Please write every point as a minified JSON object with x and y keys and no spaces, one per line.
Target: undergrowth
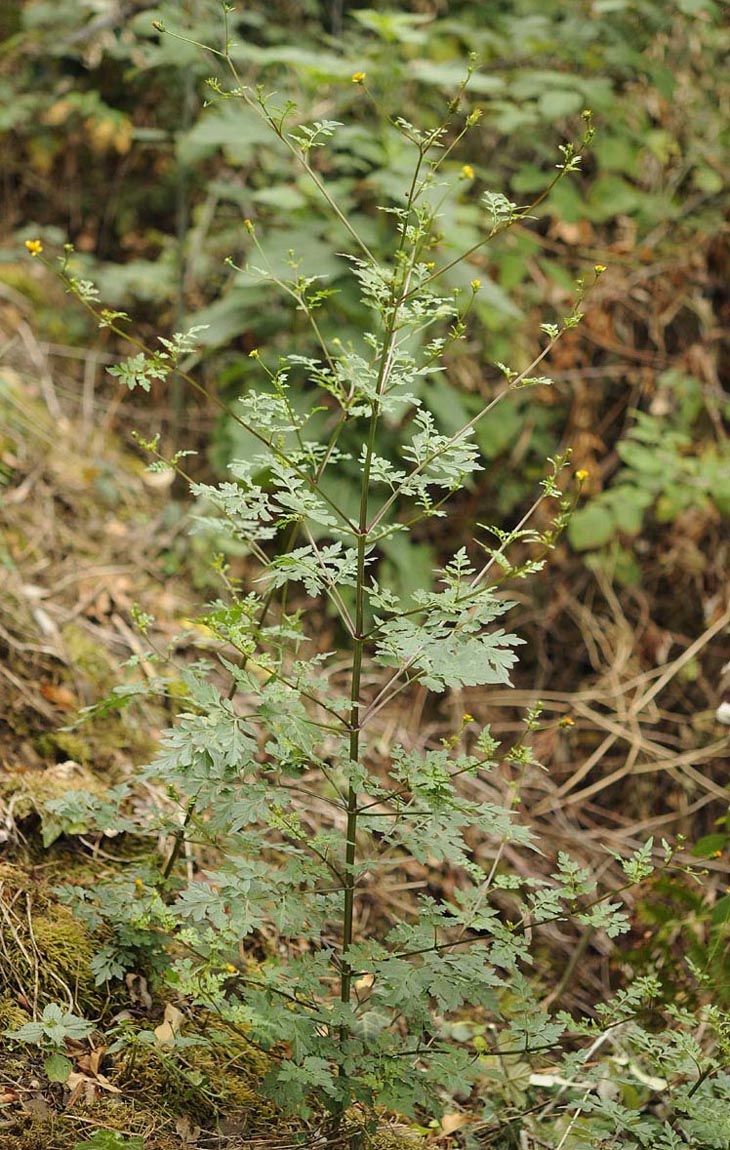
{"x":283,"y":814}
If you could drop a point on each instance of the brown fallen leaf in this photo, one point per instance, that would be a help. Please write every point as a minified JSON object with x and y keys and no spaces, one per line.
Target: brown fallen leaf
{"x":95,"y":1060}
{"x":90,"y":1063}
{"x":38,"y":1108}
{"x":170,"y":1026}
{"x":187,"y":1131}
{"x":59,"y":696}
{"x":452,"y":1122}
{"x":138,"y":992}
{"x":77,"y":1079}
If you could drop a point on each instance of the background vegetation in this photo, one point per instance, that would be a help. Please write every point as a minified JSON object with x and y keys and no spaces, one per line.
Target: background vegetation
{"x":107,"y":143}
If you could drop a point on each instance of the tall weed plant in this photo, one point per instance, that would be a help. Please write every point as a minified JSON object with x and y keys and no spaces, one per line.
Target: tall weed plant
{"x":284,"y":815}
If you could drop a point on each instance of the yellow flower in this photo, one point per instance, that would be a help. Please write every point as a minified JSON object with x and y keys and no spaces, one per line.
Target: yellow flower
{"x":566,"y":721}
{"x":254,"y":353}
{"x":467,"y":719}
{"x":359,"y":77}
{"x":582,"y":475}
{"x":475,"y":285}
{"x":231,"y":969}
{"x":35,"y":247}
{"x":599,"y":269}
{"x":467,"y":172}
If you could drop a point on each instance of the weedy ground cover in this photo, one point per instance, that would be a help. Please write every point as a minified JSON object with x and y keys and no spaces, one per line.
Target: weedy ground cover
{"x":423,"y":1012}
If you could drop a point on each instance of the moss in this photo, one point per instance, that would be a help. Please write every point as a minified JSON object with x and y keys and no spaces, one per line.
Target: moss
{"x":203,"y":1082}
{"x":12,"y":1017}
{"x":67,"y":950}
{"x":33,"y":790}
{"x":63,"y":745}
{"x":46,"y":952}
{"x":394,"y":1139}
{"x":47,"y":1129}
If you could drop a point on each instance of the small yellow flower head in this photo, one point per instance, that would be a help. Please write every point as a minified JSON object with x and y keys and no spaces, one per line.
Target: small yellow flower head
{"x":716,"y":855}
{"x":582,"y":475}
{"x":359,"y":77}
{"x":430,"y":266}
{"x":566,"y":721}
{"x":475,"y":285}
{"x":467,"y":172}
{"x":599,"y":269}
{"x":587,"y":113}
{"x":254,"y":353}
{"x":231,"y":969}
{"x":248,"y":224}
{"x":467,"y":719}
{"x":158,"y":26}
{"x":35,"y":247}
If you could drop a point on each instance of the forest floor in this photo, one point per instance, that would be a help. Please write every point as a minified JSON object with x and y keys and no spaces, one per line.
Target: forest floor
{"x":89,"y":540}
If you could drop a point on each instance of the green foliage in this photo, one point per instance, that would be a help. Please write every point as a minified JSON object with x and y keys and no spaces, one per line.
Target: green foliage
{"x":343,"y":449}
{"x":53,"y":1027}
{"x":50,"y":1032}
{"x":111,"y":1140}
{"x":668,"y":469}
{"x":651,"y":70}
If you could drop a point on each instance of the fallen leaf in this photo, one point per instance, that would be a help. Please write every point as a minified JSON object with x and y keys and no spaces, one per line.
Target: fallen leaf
{"x":452,"y":1122}
{"x":77,"y":1085}
{"x":38,"y":1108}
{"x":166,"y":1031}
{"x":60,"y":696}
{"x":77,"y":1079}
{"x":138,"y":992}
{"x":187,"y":1131}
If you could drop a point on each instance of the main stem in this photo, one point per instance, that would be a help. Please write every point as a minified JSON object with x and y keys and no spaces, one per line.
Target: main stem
{"x":360,"y":638}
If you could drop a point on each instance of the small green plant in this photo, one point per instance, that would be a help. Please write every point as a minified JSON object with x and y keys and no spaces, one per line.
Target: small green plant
{"x":50,"y":1032}
{"x":666,"y":470}
{"x":424,"y":1006}
{"x":111,"y":1140}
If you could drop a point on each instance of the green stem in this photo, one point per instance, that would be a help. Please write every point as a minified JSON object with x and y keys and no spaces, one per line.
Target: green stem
{"x":348,"y":910}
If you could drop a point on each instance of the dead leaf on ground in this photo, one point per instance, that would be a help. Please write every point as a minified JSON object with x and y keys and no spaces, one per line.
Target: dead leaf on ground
{"x":452,"y":1122}
{"x":60,"y":696}
{"x":38,"y":1108}
{"x":187,"y":1131}
{"x":167,"y":1030}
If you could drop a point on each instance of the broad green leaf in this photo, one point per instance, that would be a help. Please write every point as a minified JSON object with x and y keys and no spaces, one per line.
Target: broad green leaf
{"x":591,"y":526}
{"x":57,"y":1067}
